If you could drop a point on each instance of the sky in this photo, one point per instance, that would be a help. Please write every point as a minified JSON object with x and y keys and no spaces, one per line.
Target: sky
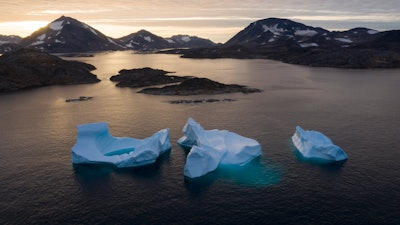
{"x":216,"y":20}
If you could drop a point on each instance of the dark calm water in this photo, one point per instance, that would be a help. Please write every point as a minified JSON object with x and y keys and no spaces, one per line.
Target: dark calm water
{"x":358,"y":109}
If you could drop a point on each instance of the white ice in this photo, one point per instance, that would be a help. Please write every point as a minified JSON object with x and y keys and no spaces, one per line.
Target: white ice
{"x":315,"y":145}
{"x":95,"y":145}
{"x":210,"y":148}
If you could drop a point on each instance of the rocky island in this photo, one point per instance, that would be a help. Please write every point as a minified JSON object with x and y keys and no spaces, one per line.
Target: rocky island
{"x":199,"y":86}
{"x":27,"y":68}
{"x":181,"y":85}
{"x":144,"y":77}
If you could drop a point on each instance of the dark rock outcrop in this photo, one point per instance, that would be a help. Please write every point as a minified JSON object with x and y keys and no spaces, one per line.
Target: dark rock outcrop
{"x":198,"y":86}
{"x":144,"y":77}
{"x":27,"y":68}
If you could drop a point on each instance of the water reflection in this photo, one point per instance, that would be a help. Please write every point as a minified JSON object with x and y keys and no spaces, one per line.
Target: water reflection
{"x":98,"y":177}
{"x":257,"y":173}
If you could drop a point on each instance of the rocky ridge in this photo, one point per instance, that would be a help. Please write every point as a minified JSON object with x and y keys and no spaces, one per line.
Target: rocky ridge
{"x":296,"y":43}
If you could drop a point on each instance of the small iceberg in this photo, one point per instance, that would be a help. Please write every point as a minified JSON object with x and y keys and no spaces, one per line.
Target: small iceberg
{"x":315,"y":145}
{"x":95,"y":145}
{"x":211,"y":148}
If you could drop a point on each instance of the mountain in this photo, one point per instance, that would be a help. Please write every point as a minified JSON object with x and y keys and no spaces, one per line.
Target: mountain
{"x":292,"y":42}
{"x":143,"y":40}
{"x":186,"y":41}
{"x":9,"y":43}
{"x":28,"y":68}
{"x":146,"y":41}
{"x":291,"y":34}
{"x":66,"y":34}
{"x":4,"y":39}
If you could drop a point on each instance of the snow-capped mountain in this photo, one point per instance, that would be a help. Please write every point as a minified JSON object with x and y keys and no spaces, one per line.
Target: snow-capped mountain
{"x":283,"y":32}
{"x":147,"y":41}
{"x":186,"y":41}
{"x":66,"y":34}
{"x":293,"y":42}
{"x":143,"y":40}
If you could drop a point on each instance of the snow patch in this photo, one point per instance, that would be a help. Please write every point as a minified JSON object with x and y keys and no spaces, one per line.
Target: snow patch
{"x":111,"y":41}
{"x":307,"y":33}
{"x":372,"y":31}
{"x":57,"y":25}
{"x":41,"y":37}
{"x":91,"y":30}
{"x":345,"y":40}
{"x":147,"y":38}
{"x":36,"y":43}
{"x":307,"y":45}
{"x":185,"y":38}
{"x":171,"y":41}
{"x":273,"y":29}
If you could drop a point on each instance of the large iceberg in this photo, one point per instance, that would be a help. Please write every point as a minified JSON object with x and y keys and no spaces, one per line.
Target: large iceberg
{"x":315,"y":145}
{"x":95,"y":145}
{"x":211,"y":148}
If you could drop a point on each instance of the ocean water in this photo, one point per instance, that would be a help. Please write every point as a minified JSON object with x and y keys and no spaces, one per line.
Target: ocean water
{"x":358,"y":109}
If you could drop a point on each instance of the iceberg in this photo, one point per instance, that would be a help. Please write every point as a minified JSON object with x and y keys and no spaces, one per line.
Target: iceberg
{"x":95,"y":145}
{"x":211,"y":148}
{"x":315,"y":145}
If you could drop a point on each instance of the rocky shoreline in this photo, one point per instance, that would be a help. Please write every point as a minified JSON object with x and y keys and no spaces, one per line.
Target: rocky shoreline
{"x":27,"y":68}
{"x":144,"y":77}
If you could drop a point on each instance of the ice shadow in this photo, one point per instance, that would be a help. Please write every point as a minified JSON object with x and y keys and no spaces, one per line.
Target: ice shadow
{"x":99,"y":176}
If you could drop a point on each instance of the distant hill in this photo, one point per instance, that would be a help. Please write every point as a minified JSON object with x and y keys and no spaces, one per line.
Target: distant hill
{"x":143,"y":40}
{"x":66,"y":34}
{"x":186,"y":41}
{"x":293,"y":42}
{"x":147,"y":41}
{"x":9,"y":42}
{"x":4,"y":39}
